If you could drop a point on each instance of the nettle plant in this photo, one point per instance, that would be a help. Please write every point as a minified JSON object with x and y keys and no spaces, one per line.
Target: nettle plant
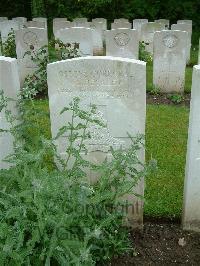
{"x":52,"y":216}
{"x":9,"y":47}
{"x":40,"y":57}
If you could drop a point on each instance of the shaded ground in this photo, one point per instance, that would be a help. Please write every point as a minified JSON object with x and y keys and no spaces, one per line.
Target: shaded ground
{"x":169,"y":99}
{"x":162,"y":244}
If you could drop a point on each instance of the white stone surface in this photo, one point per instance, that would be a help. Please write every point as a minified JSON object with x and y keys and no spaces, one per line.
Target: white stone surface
{"x":137,"y":24}
{"x":120,"y":20}
{"x":188,"y":21}
{"x":35,"y":24}
{"x":147,"y":34}
{"x":101,"y":20}
{"x":117,"y":87}
{"x":58,"y":25}
{"x":83,"y":36}
{"x":3,"y":19}
{"x":166,"y":22}
{"x":9,"y":83}
{"x":98,"y":36}
{"x":22,"y":21}
{"x":121,"y":24}
{"x":169,"y":60}
{"x":191,"y":209}
{"x":6,"y":27}
{"x":185,"y":27}
{"x":199,"y":53}
{"x":122,"y":43}
{"x":40,"y":19}
{"x":81,"y":22}
{"x":28,"y":40}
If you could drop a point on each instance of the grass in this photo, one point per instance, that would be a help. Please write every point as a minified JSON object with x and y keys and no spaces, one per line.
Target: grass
{"x":166,"y":138}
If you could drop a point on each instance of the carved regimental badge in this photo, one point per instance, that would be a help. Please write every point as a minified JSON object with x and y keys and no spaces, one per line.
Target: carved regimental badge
{"x":122,"y":39}
{"x":170,"y":41}
{"x":30,"y":38}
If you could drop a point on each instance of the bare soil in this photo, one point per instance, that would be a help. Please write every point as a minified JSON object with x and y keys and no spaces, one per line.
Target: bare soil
{"x":162,"y":244}
{"x":165,"y":99}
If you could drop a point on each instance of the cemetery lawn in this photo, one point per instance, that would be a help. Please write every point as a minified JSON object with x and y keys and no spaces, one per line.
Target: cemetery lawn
{"x":166,"y":138}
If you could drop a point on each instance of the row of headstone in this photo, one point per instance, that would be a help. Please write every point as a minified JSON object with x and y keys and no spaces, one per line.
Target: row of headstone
{"x":118,"y":88}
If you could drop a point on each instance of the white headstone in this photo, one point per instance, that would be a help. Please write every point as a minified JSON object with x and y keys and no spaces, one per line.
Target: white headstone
{"x":83,"y":36}
{"x":147,"y":34}
{"x":166,"y":22}
{"x":121,"y":24}
{"x":40,"y":19}
{"x":22,"y":21}
{"x":58,"y":25}
{"x":122,"y":43}
{"x":81,"y":22}
{"x":9,"y":83}
{"x":117,"y":86}
{"x":191,"y":209}
{"x":35,"y":24}
{"x":169,"y":60}
{"x":98,"y":36}
{"x":188,"y":29}
{"x":3,"y":19}
{"x":101,"y":20}
{"x":28,"y":40}
{"x":137,"y":24}
{"x":188,"y":21}
{"x":6,"y":27}
{"x":120,"y":20}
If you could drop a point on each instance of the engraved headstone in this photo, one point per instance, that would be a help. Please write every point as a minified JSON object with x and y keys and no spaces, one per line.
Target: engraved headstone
{"x":117,"y":86}
{"x":6,"y":27}
{"x":147,"y":34}
{"x":83,"y":36}
{"x":28,"y":40}
{"x":121,"y":25}
{"x":163,"y":21}
{"x":58,"y":25}
{"x":137,"y":24}
{"x":188,"y":29}
{"x":169,"y":60}
{"x":191,"y":209}
{"x":188,"y":21}
{"x":122,"y":43}
{"x":9,"y":83}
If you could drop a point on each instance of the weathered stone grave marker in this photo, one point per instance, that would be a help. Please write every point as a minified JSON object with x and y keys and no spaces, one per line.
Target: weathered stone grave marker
{"x":29,"y":40}
{"x":122,"y":43}
{"x":137,"y":24}
{"x":191,"y":208}
{"x":83,"y":36}
{"x":9,"y":83}
{"x":169,"y":60}
{"x":188,"y":29}
{"x":117,"y":86}
{"x":147,"y":34}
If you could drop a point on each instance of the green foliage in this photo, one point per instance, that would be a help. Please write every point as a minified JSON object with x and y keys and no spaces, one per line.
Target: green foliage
{"x":38,"y":8}
{"x":56,"y":216}
{"x":176,"y":98}
{"x":154,"y":90}
{"x":9,"y":47}
{"x":143,"y":54}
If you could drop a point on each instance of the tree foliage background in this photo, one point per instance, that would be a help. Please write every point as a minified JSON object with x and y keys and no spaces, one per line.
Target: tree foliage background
{"x":110,"y":9}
